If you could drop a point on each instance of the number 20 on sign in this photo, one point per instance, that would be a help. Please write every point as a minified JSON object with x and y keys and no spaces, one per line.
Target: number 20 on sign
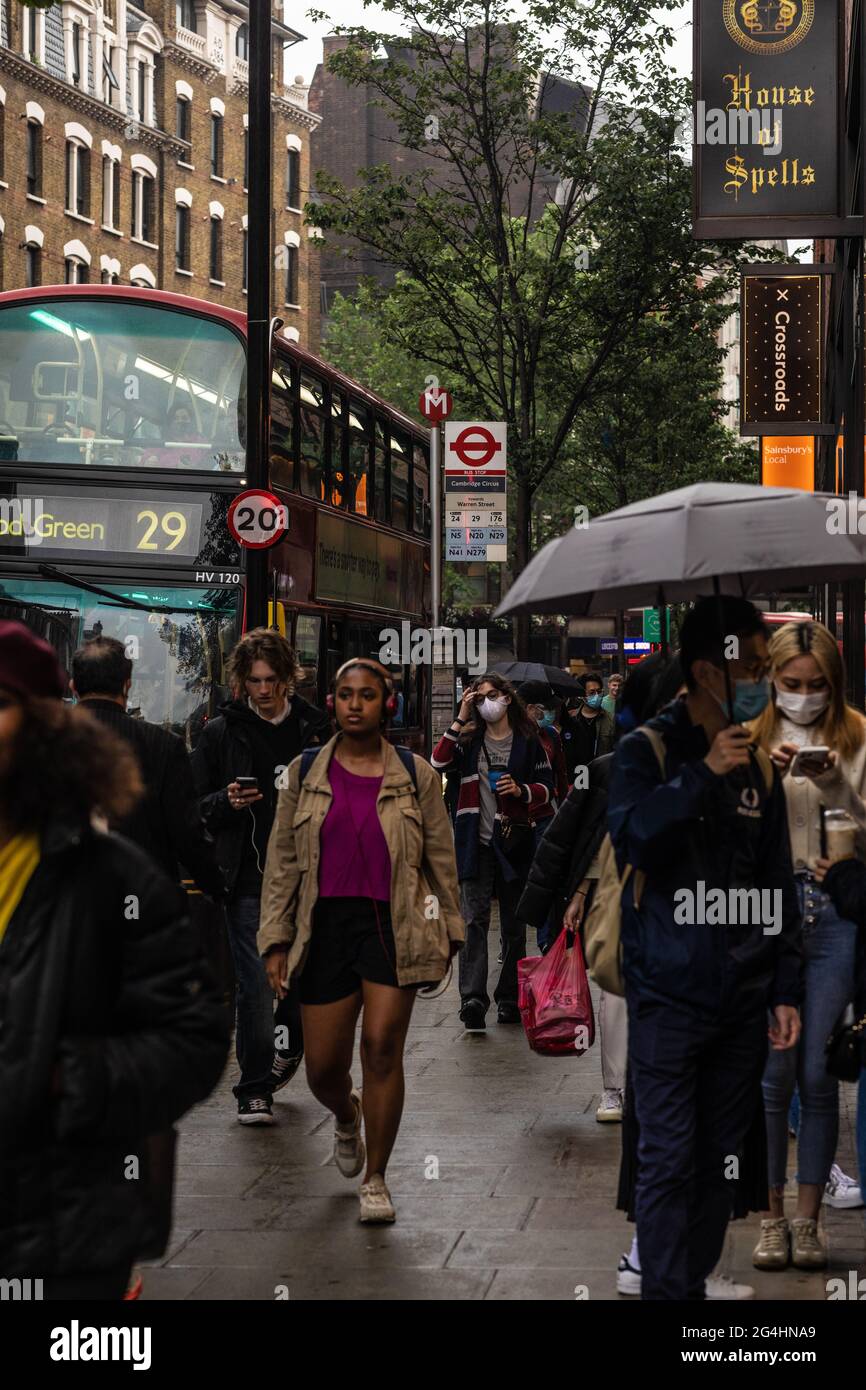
{"x":257,"y":519}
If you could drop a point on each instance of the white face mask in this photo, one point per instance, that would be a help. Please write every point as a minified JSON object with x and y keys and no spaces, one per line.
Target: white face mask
{"x":802,"y":709}
{"x":491,"y":710}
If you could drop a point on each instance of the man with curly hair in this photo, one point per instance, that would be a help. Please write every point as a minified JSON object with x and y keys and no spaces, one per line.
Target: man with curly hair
{"x":239,"y":764}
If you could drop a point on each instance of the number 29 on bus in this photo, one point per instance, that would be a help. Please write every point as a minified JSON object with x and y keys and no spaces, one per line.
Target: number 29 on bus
{"x":257,"y":519}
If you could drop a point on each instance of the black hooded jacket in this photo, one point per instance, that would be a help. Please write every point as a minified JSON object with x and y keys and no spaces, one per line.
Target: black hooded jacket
{"x":224,"y":752}
{"x":570,"y":844}
{"x":109,"y":1031}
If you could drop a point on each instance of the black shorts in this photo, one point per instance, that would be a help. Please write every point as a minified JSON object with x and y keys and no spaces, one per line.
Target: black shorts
{"x":347,"y":945}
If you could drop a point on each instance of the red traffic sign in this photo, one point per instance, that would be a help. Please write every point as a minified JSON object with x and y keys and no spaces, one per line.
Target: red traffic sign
{"x":475,"y":446}
{"x":257,"y":519}
{"x":435,"y":405}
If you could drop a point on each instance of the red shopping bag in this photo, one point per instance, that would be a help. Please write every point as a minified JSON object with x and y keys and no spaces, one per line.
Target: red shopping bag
{"x":554,"y":1000}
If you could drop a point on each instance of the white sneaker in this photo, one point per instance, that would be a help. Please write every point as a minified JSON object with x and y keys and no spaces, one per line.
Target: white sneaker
{"x":349,"y":1150}
{"x":627,"y":1277}
{"x":610,"y":1110}
{"x":719,"y":1286}
{"x":842,"y":1191}
{"x":376,"y":1204}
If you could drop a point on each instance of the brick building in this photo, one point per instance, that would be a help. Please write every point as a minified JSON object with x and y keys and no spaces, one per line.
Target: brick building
{"x":123,"y":152}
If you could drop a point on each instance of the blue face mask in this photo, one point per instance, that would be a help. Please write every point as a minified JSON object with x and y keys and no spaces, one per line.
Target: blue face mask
{"x":594,"y":701}
{"x":546,"y":720}
{"x":750,"y":699}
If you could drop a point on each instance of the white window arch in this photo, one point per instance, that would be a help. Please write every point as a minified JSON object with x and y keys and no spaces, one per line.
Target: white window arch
{"x":292,"y":334}
{"x":74,"y":131}
{"x":246,"y":120}
{"x":144,"y":274}
{"x":112,"y":151}
{"x":245,"y":222}
{"x":35,"y":113}
{"x":110,"y":263}
{"x":292,"y":239}
{"x":293,"y":142}
{"x":183,"y":90}
{"x":2,"y":225}
{"x":217,"y":107}
{"x":34,"y":236}
{"x":217,"y":210}
{"x":78,"y":251}
{"x":141,"y":164}
{"x":183,"y":197}
{"x":2,"y":96}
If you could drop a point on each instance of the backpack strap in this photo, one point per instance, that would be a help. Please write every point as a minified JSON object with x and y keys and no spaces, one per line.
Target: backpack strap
{"x":308,"y":757}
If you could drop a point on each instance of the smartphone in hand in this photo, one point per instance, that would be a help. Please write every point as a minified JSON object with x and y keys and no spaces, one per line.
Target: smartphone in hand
{"x":811,"y":760}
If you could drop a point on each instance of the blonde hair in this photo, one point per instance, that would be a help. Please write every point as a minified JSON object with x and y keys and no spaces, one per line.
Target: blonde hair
{"x":843,"y":727}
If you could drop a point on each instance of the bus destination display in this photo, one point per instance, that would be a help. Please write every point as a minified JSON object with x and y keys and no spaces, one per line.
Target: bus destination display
{"x":42,"y":524}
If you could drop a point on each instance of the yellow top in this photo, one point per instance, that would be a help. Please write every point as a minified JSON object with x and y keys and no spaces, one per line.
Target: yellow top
{"x":18,"y":861}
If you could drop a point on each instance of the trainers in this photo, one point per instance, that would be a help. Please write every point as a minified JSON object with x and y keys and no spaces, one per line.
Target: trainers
{"x":807,"y":1252}
{"x":472,"y":1016}
{"x":283,"y":1069}
{"x":720,"y":1286}
{"x":349,"y":1150}
{"x":376,"y":1204}
{"x":255,"y":1112}
{"x":610,"y":1109}
{"x":772,"y":1250}
{"x":627,"y":1277}
{"x":842,"y":1191}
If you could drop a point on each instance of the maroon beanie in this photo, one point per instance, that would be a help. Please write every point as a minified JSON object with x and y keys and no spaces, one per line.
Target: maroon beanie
{"x":28,"y":665}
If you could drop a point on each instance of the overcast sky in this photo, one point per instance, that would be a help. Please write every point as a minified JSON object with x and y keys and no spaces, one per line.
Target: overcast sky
{"x":304,"y":56}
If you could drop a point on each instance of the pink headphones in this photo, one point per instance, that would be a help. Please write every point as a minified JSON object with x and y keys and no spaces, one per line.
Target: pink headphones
{"x":369,"y":665}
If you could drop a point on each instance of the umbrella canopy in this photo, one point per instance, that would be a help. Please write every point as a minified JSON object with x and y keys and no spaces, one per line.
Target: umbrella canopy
{"x":672,"y":548}
{"x":519,"y":671}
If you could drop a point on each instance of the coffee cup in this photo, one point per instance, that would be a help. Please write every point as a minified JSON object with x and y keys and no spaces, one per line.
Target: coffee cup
{"x":841,"y":835}
{"x":494,"y":776}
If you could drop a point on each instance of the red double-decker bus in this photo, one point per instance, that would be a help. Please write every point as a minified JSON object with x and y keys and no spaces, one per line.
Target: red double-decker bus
{"x":122,"y":444}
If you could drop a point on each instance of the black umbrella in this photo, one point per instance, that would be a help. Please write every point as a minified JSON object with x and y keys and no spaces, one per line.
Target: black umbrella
{"x":560,"y":682}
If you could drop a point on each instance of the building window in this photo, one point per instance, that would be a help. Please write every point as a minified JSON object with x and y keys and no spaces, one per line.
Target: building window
{"x":185,"y":16}
{"x":246,"y":157}
{"x":110,"y":192}
{"x":141,"y":93}
{"x":216,"y":146}
{"x":244,"y":261}
{"x":216,"y":248}
{"x":32,"y":266}
{"x":108,"y":277}
{"x":34,"y":158}
{"x":183,"y":119}
{"x":110,"y":84}
{"x":291,"y":274}
{"x":77,"y":178}
{"x":293,"y":178}
{"x":76,"y":55}
{"x":33,"y":22}
{"x":242,"y":42}
{"x":143,"y":206}
{"x":2,"y":141}
{"x":77,"y":271}
{"x":181,"y":238}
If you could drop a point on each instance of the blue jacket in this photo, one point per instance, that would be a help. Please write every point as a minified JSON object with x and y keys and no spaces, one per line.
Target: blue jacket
{"x":694,"y":830}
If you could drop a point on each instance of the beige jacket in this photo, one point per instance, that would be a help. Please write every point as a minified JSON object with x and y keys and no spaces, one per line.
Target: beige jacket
{"x":840,"y":788}
{"x":425,"y":915}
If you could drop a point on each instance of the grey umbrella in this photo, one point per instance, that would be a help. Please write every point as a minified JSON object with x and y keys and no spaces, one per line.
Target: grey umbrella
{"x":705,"y":539}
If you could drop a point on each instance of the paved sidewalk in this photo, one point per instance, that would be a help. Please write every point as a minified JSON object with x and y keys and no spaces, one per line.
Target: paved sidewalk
{"x":503,"y":1179}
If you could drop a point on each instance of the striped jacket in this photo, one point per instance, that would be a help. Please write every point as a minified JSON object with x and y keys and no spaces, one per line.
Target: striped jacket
{"x":528,"y":766}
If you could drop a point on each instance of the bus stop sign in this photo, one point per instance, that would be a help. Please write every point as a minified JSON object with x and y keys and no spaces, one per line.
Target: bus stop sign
{"x":257,"y":519}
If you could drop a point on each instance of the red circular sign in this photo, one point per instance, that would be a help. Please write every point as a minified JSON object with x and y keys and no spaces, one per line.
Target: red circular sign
{"x":435,"y":405}
{"x":257,"y":519}
{"x":475,"y":446}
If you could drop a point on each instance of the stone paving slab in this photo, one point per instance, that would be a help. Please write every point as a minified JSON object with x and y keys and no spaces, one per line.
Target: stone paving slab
{"x":504,"y":1182}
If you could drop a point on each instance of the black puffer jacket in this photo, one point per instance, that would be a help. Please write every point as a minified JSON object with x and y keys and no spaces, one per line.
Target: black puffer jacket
{"x":223,"y":753}
{"x":109,"y":1031}
{"x":570,"y":844}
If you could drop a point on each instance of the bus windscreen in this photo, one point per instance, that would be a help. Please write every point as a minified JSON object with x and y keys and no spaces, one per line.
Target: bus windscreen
{"x":120,"y":384}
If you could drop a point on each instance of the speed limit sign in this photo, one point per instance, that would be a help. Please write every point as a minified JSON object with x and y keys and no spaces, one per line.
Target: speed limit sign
{"x":257,"y":519}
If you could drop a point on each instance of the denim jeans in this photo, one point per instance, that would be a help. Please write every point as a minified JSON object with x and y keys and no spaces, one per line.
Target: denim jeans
{"x":476,"y":895}
{"x":828,"y":947}
{"x":256,"y":1020}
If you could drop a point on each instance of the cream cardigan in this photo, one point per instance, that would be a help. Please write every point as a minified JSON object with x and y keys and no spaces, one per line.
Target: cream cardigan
{"x":842,"y":787}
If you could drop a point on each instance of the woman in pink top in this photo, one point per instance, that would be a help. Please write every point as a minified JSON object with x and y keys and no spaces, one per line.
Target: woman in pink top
{"x":361,"y":886}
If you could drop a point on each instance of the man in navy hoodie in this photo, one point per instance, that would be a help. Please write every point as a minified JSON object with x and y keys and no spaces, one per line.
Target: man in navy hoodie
{"x":710,"y":928}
